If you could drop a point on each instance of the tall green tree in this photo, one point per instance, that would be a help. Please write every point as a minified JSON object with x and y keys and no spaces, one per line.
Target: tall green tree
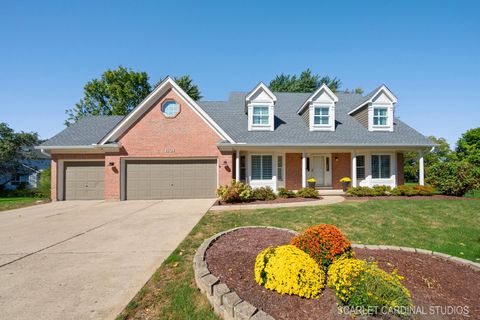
{"x":14,"y":147}
{"x":440,"y":154}
{"x":117,"y":92}
{"x":468,"y":146}
{"x":305,"y":82}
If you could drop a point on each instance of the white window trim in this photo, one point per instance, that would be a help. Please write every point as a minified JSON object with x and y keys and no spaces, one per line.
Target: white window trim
{"x":331,"y":116}
{"x":365,"y":173}
{"x":392,"y":169}
{"x":283,"y":167}
{"x":261,"y":127}
{"x":256,"y":183}
{"x":378,"y":127}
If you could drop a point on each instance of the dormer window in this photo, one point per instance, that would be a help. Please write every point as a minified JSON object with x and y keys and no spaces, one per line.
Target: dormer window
{"x":380,"y":116}
{"x":319,"y":110}
{"x":259,"y":106}
{"x":321,"y":116}
{"x":260,"y":115}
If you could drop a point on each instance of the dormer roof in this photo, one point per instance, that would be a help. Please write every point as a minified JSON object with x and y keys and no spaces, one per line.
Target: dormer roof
{"x":261,"y":93}
{"x":322,"y":94}
{"x":372,"y":96}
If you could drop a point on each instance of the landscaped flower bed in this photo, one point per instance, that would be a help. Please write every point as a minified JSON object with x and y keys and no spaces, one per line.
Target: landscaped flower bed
{"x":238,"y":258}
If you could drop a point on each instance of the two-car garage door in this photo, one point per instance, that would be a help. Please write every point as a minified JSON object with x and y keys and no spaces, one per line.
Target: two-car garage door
{"x":144,"y":179}
{"x":170,"y":179}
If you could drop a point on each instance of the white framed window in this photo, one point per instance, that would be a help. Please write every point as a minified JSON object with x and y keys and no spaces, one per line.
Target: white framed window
{"x":170,"y":108}
{"x":280,"y":168}
{"x":380,"y":116}
{"x":243,"y":168}
{"x":262,"y":166}
{"x":360,"y":167}
{"x":261,"y":115}
{"x":321,"y":116}
{"x":381,"y":168}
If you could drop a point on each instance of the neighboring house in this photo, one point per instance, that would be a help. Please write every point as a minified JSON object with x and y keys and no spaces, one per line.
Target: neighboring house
{"x":28,"y":175}
{"x":170,"y":146}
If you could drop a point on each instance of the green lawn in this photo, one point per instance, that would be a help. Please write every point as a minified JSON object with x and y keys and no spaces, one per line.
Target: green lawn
{"x":449,"y":226}
{"x":14,"y":203}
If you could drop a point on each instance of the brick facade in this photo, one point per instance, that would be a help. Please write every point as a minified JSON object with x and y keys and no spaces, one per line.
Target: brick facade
{"x":341,"y":167}
{"x":156,"y":136}
{"x":400,"y":174}
{"x":293,"y":171}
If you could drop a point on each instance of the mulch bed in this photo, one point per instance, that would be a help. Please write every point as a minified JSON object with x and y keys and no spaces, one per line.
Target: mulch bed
{"x":278,"y":200}
{"x":434,"y":197}
{"x":431,"y":280}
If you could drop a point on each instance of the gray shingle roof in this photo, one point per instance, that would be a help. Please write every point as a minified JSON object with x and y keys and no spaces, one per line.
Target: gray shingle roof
{"x":86,"y":131}
{"x":290,"y":128}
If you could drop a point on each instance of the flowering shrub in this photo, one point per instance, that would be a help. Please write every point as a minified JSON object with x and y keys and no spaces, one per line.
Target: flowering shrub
{"x":236,"y":191}
{"x":324,"y":243}
{"x":361,"y":284}
{"x":287,"y":269}
{"x":307,"y":193}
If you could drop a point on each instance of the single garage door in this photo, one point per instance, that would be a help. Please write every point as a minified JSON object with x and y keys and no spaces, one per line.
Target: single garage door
{"x":171,"y":179}
{"x":84,"y":180}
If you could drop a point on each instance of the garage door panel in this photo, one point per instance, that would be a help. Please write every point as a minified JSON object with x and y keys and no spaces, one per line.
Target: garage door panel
{"x":170,"y":179}
{"x":84,"y":180}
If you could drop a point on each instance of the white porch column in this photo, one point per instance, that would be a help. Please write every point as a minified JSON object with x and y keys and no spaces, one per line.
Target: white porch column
{"x":237,"y":165}
{"x":421,"y":172}
{"x":354,"y":169}
{"x":304,"y":170}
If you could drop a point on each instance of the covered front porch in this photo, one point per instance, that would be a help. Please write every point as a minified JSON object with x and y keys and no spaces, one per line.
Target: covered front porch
{"x":291,"y":168}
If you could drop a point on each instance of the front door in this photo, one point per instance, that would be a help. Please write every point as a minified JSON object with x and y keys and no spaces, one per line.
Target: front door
{"x":318,"y":170}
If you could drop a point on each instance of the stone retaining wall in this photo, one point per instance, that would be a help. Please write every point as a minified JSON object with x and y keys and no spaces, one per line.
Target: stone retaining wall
{"x":228,"y":305}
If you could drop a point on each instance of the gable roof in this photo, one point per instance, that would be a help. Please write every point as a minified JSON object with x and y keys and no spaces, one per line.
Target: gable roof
{"x":323,"y":87}
{"x":88,"y":130}
{"x":144,"y":106}
{"x":291,"y":129}
{"x":369,"y":97}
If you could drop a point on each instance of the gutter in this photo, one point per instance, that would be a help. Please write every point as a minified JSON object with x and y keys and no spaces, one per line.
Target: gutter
{"x":45,"y":149}
{"x":299,"y":145}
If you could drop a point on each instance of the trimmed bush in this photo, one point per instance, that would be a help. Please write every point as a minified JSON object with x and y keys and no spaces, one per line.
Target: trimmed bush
{"x":361,"y":284}
{"x":382,"y":190}
{"x":424,"y":190}
{"x":236,"y":191}
{"x":454,"y":178}
{"x":285,"y":193}
{"x":361,"y":192}
{"x":264,"y":193}
{"x":325,"y":243}
{"x":408,"y":191}
{"x":307,"y":193}
{"x":289,"y":270}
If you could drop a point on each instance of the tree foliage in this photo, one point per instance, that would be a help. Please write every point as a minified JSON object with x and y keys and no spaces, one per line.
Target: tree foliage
{"x":117,"y":92}
{"x":440,"y":154}
{"x":305,"y":82}
{"x":454,"y":177}
{"x":14,"y":147}
{"x":468,"y":146}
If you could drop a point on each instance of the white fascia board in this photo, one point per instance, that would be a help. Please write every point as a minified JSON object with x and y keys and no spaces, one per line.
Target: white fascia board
{"x":263,"y":87}
{"x":167,"y":83}
{"x":384,"y":89}
{"x":323,"y":87}
{"x":92,"y":146}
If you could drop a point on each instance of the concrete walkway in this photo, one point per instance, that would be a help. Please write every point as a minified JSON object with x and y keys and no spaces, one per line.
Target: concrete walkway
{"x":86,"y":259}
{"x":325,"y":201}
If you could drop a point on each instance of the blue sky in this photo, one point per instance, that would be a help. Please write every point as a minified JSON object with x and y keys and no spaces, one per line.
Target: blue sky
{"x":427,"y":52}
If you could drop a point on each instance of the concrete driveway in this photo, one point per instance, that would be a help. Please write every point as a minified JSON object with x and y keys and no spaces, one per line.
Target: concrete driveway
{"x":86,"y":260}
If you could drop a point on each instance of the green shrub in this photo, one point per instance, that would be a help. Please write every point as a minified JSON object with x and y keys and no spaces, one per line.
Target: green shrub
{"x":236,"y":191}
{"x":454,"y":178}
{"x":404,"y":190}
{"x":360,"y":284}
{"x":382,"y":190}
{"x":361,"y":192}
{"x":264,"y":194}
{"x":44,"y":183}
{"x":307,"y":193}
{"x":285,"y":193}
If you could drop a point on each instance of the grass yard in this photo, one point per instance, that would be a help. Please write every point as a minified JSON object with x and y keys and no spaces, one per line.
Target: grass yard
{"x":449,"y":226}
{"x":15,"y":203}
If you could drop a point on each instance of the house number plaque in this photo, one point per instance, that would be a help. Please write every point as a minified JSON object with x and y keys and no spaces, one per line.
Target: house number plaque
{"x":169,"y":150}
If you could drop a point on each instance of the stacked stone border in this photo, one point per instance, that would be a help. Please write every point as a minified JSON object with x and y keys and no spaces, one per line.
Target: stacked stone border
{"x":228,"y":305}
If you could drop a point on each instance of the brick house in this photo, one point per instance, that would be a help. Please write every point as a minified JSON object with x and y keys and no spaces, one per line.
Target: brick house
{"x":172,"y":147}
